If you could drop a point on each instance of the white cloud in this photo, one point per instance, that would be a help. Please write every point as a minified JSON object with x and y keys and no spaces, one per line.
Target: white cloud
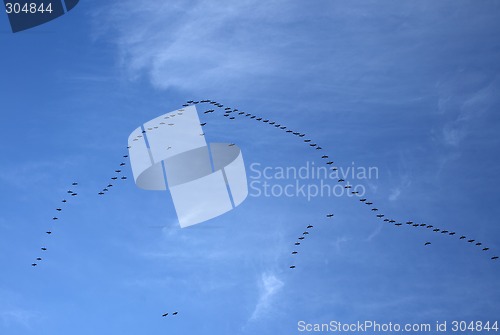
{"x":395,"y":193}
{"x":18,"y":316}
{"x":269,"y":286}
{"x":195,"y":45}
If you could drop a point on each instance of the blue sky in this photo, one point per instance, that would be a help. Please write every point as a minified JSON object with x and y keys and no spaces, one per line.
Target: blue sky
{"x":408,"y":87}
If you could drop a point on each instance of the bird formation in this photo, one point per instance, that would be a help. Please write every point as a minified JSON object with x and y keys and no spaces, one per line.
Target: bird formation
{"x":58,"y":210}
{"x":231,"y":113}
{"x":173,"y":314}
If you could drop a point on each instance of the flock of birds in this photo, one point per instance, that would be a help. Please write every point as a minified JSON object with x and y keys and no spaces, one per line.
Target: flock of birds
{"x":72,"y":194}
{"x":232,"y":113}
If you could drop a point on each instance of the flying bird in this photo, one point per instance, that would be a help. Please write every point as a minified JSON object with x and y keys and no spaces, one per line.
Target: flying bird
{"x":165,"y":314}
{"x":427,"y":243}
{"x":329,"y":215}
{"x":292,"y":267}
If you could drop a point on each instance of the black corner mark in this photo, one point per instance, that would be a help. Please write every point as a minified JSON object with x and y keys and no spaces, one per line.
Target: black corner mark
{"x":26,"y":14}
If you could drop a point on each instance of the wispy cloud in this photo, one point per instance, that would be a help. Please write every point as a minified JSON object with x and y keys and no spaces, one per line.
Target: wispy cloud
{"x":269,"y":286}
{"x":17,"y":316}
{"x":195,"y":44}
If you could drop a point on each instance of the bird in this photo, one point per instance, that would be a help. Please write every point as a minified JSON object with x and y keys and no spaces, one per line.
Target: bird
{"x":409,"y":222}
{"x":64,"y":201}
{"x":74,"y":194}
{"x":292,"y":267}
{"x":74,"y":184}
{"x":301,"y":238}
{"x":324,"y":156}
{"x":310,"y":226}
{"x":124,"y":177}
{"x":34,"y":264}
{"x":297,"y":243}
{"x":341,"y":180}
{"x":100,"y":193}
{"x":174,"y":313}
{"x":307,"y":140}
{"x":38,"y":259}
{"x":494,"y":257}
{"x":48,"y":232}
{"x":329,"y":215}
{"x":202,"y":124}
{"x":452,"y":233}
{"x":165,"y":314}
{"x":462,"y":237}
{"x":44,"y":249}
{"x":114,"y":178}
{"x":294,"y":252}
{"x":430,"y":226}
{"x":362,"y":200}
{"x":305,"y":233}
{"x":392,"y":221}
{"x":118,"y":171}
{"x":122,"y":164}
{"x":398,"y":224}
{"x":348,"y":186}
{"x":369,"y":203}
{"x":70,"y":191}
{"x":470,"y":241}
{"x":380,"y":215}
{"x":374,"y":209}
{"x":125,"y":156}
{"x":479,"y":243}
{"x":55,"y":218}
{"x":329,"y":163}
{"x":427,"y":243}
{"x":58,"y":209}
{"x":436,"y":230}
{"x":486,"y":249}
